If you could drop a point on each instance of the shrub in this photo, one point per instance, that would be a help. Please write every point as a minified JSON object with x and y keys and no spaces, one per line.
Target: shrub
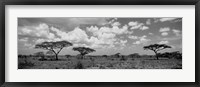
{"x":67,"y":56}
{"x":79,"y":65}
{"x":123,"y":58}
{"x":105,"y":56}
{"x":24,"y":64}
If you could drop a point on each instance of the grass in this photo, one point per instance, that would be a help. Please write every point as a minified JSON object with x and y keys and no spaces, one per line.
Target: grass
{"x":99,"y":63}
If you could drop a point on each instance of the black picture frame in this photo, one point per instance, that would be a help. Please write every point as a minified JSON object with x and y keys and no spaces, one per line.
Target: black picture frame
{"x":99,"y":2}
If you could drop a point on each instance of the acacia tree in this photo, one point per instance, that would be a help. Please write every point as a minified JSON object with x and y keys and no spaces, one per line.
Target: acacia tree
{"x":117,"y":55}
{"x":83,"y":50}
{"x":55,"y":47}
{"x":40,"y":54}
{"x":50,"y":54}
{"x":156,"y":47}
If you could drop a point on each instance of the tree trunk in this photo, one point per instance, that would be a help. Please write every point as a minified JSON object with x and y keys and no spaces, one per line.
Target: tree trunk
{"x":156,"y":55}
{"x":56,"y":56}
{"x":82,"y":56}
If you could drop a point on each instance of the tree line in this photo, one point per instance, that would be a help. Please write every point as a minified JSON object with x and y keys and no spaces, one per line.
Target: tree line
{"x":56,"y":47}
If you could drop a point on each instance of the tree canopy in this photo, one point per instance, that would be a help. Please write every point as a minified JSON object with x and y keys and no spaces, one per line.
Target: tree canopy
{"x":83,"y":50}
{"x":156,"y":48}
{"x":55,"y":47}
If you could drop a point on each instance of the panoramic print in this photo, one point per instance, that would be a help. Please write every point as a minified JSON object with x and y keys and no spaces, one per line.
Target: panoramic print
{"x":99,"y":43}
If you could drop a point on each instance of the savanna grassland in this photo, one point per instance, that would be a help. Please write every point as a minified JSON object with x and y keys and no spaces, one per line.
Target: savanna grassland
{"x":99,"y":62}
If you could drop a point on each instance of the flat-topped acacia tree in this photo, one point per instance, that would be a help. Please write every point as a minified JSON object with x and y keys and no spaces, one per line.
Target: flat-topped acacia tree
{"x":156,"y":47}
{"x":55,"y":47}
{"x":40,"y":54}
{"x":83,"y":50}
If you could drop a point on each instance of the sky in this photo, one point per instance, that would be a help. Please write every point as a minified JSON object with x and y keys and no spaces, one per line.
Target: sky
{"x":107,"y":36}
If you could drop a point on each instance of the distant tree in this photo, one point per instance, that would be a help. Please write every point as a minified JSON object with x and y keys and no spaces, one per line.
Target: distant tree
{"x":176,"y":54}
{"x":134,"y":55}
{"x":83,"y":51}
{"x":20,"y":55}
{"x":67,"y":56}
{"x":156,"y":47}
{"x":50,"y":54}
{"x":40,"y":54}
{"x":105,"y":56}
{"x":123,"y":58}
{"x":55,"y":47}
{"x":117,"y":55}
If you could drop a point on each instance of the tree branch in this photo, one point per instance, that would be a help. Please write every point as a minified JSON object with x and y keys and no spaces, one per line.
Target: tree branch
{"x":160,"y":49}
{"x":59,"y":50}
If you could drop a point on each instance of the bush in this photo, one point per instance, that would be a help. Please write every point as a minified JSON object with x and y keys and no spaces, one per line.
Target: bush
{"x":104,"y":56}
{"x":79,"y":65}
{"x":24,"y":64}
{"x":67,"y":56}
{"x":42,"y":59}
{"x":123,"y":58}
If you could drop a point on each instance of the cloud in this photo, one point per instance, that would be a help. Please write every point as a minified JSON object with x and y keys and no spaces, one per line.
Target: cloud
{"x":116,"y":24}
{"x":76,"y":35}
{"x":167,"y":19}
{"x":123,"y":42}
{"x":105,"y":35}
{"x":40,"y":31}
{"x":164,"y":33}
{"x":144,"y":28}
{"x":111,"y":20}
{"x":156,"y":20}
{"x":83,"y":20}
{"x":102,"y":37}
{"x":31,"y":35}
{"x":165,"y":29}
{"x":43,"y":32}
{"x":115,"y":29}
{"x":163,"y":42}
{"x":23,"y":39}
{"x":148,"y":22}
{"x":170,"y":38}
{"x":135,"y":25}
{"x":142,"y":40}
{"x":28,"y":45}
{"x":133,"y":37}
{"x":176,"y":32}
{"x":150,"y":33}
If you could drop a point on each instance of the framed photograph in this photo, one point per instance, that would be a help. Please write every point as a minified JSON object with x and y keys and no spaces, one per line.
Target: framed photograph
{"x":141,"y":43}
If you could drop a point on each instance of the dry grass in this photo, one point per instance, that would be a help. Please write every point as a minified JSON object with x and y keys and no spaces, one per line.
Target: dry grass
{"x":100,"y":63}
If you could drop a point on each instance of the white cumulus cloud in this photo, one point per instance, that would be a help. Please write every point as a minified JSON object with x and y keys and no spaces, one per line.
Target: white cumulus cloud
{"x":163,"y":42}
{"x":40,"y":31}
{"x":167,"y":19}
{"x":176,"y":32}
{"x":135,"y":25}
{"x":165,"y":29}
{"x":164,"y":33}
{"x":133,"y":37}
{"x":148,"y":22}
{"x":144,"y":28}
{"x":142,"y":40}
